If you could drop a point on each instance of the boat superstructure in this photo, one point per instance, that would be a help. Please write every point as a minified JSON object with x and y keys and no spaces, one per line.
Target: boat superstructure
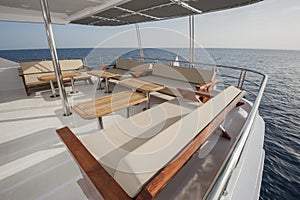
{"x":36,"y":165}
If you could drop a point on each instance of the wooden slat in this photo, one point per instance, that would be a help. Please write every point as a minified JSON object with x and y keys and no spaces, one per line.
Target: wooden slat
{"x":166,"y":174}
{"x":141,"y":85}
{"x":53,"y":77}
{"x":108,"y":104}
{"x":104,"y":183}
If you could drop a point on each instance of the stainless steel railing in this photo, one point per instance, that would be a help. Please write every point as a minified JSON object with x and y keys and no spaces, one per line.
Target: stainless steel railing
{"x":220,"y":183}
{"x":218,"y":187}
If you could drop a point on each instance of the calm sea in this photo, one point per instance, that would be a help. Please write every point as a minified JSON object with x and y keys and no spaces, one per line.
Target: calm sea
{"x":280,"y":105}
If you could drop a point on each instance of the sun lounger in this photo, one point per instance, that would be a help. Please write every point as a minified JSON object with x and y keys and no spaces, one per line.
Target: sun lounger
{"x":125,"y":162}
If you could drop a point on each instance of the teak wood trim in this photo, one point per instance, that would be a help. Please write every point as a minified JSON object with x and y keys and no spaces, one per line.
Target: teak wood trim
{"x":103,"y":182}
{"x":207,"y":86}
{"x":167,"y":173}
{"x":141,"y":85}
{"x":110,"y":189}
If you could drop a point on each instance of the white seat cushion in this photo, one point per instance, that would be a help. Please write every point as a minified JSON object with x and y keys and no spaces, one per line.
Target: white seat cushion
{"x":134,"y":150}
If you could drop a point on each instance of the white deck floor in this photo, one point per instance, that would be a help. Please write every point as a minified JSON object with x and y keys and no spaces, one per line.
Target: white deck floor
{"x":34,"y":164}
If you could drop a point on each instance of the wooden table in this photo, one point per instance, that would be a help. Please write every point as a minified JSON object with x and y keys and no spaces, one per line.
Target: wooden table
{"x":103,"y":74}
{"x":105,"y":105}
{"x":143,"y":86}
{"x":52,"y":77}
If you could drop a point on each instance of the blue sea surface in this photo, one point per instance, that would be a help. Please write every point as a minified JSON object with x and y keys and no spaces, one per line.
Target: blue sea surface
{"x":280,"y":106}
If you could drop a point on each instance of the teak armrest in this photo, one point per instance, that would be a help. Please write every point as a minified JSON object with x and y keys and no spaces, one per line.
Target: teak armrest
{"x":207,"y":86}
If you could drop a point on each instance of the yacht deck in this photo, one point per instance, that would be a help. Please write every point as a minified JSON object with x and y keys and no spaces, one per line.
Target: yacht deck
{"x":35,"y":163}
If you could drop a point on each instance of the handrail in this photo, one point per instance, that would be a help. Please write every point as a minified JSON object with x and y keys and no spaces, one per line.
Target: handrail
{"x":221,"y":181}
{"x":218,"y":186}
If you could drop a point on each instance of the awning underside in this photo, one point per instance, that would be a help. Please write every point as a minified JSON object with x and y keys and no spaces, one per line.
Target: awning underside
{"x":136,"y":11}
{"x":112,"y":12}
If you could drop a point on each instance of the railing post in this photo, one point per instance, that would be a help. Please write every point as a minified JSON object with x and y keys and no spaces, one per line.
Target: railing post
{"x":241,"y":79}
{"x":139,"y":38}
{"x":56,"y":66}
{"x":192,"y":40}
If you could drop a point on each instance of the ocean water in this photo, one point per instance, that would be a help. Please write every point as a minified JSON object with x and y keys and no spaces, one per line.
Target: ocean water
{"x":280,"y":106}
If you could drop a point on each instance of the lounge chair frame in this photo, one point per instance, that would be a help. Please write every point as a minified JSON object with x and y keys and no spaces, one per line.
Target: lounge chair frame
{"x":110,"y":189}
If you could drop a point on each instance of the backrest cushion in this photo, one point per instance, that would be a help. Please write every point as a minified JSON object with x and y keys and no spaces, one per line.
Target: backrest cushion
{"x":127,"y":64}
{"x":47,"y":66}
{"x":192,"y":75}
{"x":36,"y":67}
{"x":167,"y":71}
{"x":70,"y":64}
{"x":195,"y":75}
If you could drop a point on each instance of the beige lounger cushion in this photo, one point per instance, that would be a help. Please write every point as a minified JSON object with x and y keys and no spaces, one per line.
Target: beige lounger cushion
{"x":195,"y":75}
{"x":70,"y":64}
{"x":127,"y":64}
{"x":133,"y":155}
{"x":36,"y":67}
{"x":46,"y":66}
{"x":144,"y":162}
{"x":192,"y":75}
{"x":118,"y":71}
{"x":133,"y":132}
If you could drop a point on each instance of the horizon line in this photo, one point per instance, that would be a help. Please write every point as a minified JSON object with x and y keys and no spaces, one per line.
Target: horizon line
{"x":20,"y":49}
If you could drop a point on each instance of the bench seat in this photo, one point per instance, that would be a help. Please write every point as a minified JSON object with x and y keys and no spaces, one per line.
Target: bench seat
{"x":169,"y":76}
{"x":30,"y":71}
{"x":133,"y":151}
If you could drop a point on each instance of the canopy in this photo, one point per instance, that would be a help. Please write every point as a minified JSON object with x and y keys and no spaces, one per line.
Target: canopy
{"x":111,"y":12}
{"x":103,"y":13}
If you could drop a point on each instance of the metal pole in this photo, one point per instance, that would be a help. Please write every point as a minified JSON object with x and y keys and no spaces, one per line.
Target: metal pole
{"x":138,"y":34}
{"x":192,"y":39}
{"x":52,"y":47}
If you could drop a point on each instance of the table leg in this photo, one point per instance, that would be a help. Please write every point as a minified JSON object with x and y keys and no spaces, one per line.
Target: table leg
{"x":99,"y":87}
{"x":148,"y":101}
{"x":127,"y":112}
{"x":73,"y":86}
{"x":107,"y":86}
{"x":53,"y":90}
{"x":100,"y":122}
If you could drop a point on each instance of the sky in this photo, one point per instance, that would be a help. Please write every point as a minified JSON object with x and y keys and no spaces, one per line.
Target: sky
{"x":271,"y":24}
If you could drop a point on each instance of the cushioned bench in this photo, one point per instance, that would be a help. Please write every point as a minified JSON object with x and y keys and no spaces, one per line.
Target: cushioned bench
{"x":169,"y":76}
{"x":142,"y":153}
{"x":30,"y":71}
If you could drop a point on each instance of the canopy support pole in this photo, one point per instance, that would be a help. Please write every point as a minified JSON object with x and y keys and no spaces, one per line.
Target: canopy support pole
{"x":53,"y":52}
{"x":138,"y":34}
{"x":192,"y":39}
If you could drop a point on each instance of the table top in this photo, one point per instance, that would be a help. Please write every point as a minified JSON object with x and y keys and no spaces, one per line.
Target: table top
{"x":141,"y":85}
{"x":52,"y":77}
{"x":108,"y":104}
{"x":103,"y":74}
